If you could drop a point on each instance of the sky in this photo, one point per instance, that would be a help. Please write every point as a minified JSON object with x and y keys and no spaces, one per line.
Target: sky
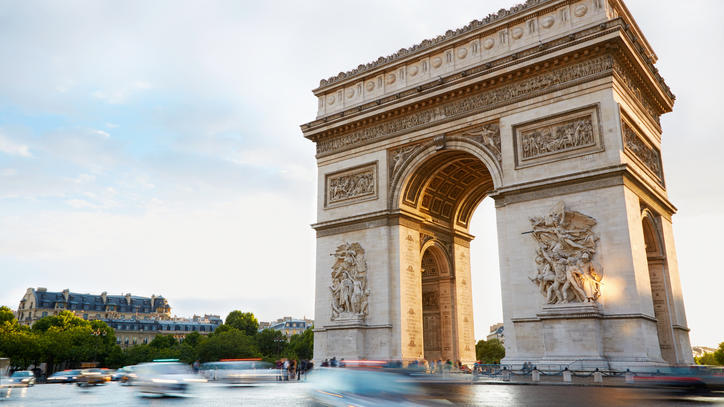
{"x":154,"y":147}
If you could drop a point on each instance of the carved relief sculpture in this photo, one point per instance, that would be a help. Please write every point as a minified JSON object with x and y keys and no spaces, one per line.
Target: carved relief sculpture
{"x":352,"y":184}
{"x":398,"y":157}
{"x":649,"y":156}
{"x":556,"y":138}
{"x":349,"y":283}
{"x":565,"y":270}
{"x":489,"y":136}
{"x":482,"y":101}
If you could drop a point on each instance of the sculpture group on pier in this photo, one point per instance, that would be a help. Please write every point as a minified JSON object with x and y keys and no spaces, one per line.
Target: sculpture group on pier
{"x":349,"y":283}
{"x":565,"y":270}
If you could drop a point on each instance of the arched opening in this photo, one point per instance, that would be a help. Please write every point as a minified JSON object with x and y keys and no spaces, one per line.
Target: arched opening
{"x":660,"y":286}
{"x":436,"y":298}
{"x":441,"y":191}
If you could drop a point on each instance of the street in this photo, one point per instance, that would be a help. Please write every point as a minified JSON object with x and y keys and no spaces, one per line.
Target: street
{"x":296,"y":394}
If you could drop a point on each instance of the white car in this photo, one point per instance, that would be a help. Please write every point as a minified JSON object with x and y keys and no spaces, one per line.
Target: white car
{"x":22,"y":378}
{"x":166,"y":378}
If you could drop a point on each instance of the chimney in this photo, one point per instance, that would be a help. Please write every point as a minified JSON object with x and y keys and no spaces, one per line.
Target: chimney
{"x":128,"y":298}
{"x":153,"y":300}
{"x":104,"y":297}
{"x":66,"y":293}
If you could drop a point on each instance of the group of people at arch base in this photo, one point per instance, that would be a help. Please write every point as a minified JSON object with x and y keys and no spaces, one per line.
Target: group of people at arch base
{"x":292,"y":369}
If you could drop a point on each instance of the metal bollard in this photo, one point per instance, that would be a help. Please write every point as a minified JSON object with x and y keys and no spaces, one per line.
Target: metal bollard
{"x":567,"y":376}
{"x":535,"y":375}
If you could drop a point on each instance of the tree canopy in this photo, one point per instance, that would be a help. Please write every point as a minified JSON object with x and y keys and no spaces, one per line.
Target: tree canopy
{"x":490,"y":352}
{"x":712,"y":358}
{"x":65,"y":341}
{"x":243,"y":321}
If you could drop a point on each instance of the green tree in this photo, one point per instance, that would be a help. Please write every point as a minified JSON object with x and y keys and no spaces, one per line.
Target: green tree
{"x":491,"y":351}
{"x":243,"y":321}
{"x":231,"y":344}
{"x":712,"y":358}
{"x":193,"y":339}
{"x":271,"y":343}
{"x":302,"y":345}
{"x":163,"y":342}
{"x":6,"y":315}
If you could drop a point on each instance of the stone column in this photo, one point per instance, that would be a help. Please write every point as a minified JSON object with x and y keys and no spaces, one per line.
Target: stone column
{"x":463,"y":303}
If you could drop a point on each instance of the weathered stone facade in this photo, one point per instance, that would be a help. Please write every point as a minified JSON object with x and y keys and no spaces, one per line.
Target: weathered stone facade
{"x":552,"y":109}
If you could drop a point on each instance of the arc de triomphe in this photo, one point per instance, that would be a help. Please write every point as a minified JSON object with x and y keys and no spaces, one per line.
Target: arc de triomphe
{"x":552,"y":109}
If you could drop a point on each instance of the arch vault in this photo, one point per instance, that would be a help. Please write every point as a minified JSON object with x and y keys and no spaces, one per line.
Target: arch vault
{"x":552,"y":109}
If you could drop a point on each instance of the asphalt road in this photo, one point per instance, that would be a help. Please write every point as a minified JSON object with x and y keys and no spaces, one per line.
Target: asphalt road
{"x":297,"y":394}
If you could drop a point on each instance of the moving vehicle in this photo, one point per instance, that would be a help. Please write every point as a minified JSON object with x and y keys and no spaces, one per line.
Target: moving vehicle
{"x":92,"y":377}
{"x":239,"y":371}
{"x":362,"y":387}
{"x":65,"y":376}
{"x":166,"y":378}
{"x":125,"y":375}
{"x":22,"y":378}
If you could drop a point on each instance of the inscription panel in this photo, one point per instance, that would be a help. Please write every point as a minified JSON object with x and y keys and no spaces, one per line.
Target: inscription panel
{"x":351,"y":185}
{"x":562,"y":136}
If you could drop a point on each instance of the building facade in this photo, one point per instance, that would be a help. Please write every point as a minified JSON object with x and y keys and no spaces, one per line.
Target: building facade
{"x":135,"y":319}
{"x":288,"y":326}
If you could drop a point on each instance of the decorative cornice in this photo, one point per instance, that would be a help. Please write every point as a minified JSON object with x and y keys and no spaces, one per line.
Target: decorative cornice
{"x":429,"y":43}
{"x":502,"y":63}
{"x":501,"y":95}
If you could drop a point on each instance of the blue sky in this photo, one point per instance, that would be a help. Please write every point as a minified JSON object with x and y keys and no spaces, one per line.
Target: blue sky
{"x":155,"y":148}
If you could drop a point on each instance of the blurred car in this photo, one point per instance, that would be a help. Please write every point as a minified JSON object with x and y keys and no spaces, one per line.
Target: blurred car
{"x":125,"y":375}
{"x":22,"y":378}
{"x":239,"y":371}
{"x":65,"y":376}
{"x":92,"y":377}
{"x":166,"y":378}
{"x":684,"y":377}
{"x":362,"y":387}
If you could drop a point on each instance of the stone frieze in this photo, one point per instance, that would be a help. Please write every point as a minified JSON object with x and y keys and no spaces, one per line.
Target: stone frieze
{"x":481,"y":101}
{"x":352,"y":185}
{"x":649,"y":156}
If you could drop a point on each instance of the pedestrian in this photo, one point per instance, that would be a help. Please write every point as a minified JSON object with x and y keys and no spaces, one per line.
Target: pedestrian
{"x":285,"y":370}
{"x":333,"y":362}
{"x":302,"y":369}
{"x":196,"y":366}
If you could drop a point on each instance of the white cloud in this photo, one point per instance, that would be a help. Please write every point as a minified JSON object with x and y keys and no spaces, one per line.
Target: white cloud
{"x":80,"y":204}
{"x":8,"y":172}
{"x":120,"y":95}
{"x":11,"y":147}
{"x":101,"y":133}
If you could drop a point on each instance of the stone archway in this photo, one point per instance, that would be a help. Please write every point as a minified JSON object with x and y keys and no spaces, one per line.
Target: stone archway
{"x":551,"y":109}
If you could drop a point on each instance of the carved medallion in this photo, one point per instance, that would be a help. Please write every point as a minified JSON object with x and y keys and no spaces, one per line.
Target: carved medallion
{"x":565,"y":269}
{"x":349,"y":283}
